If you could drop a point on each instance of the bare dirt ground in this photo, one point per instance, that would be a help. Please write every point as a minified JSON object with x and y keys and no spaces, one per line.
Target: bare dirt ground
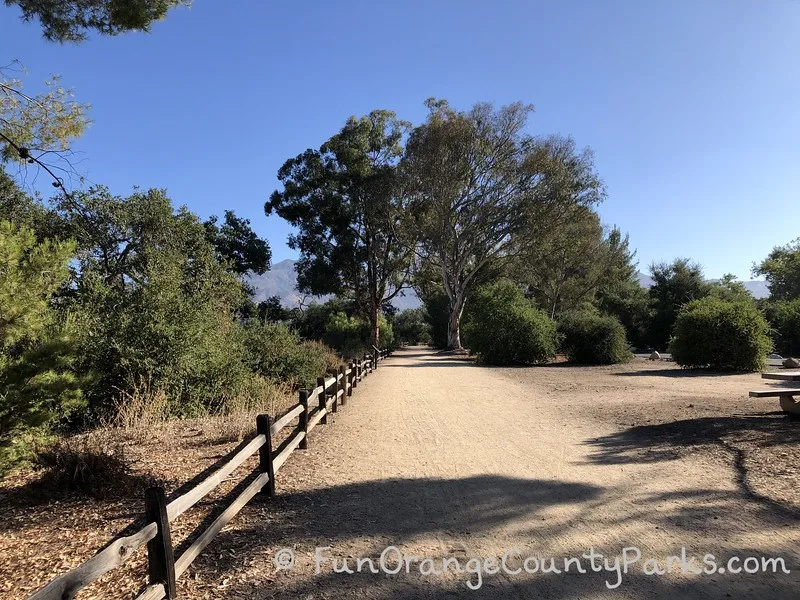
{"x":443,"y":458}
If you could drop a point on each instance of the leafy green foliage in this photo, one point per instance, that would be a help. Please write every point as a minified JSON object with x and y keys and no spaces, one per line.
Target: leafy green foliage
{"x":628,"y":302}
{"x":437,"y":316}
{"x":47,"y":121}
{"x":506,"y":328}
{"x":387,"y":335}
{"x":272,"y":310}
{"x":69,"y":20}
{"x":675,"y":284}
{"x":784,"y":317}
{"x":37,"y":382}
{"x":411,"y":326}
{"x":237,"y":243}
{"x":344,"y":200}
{"x":781,"y":269}
{"x":573,"y":260}
{"x":154,"y":304}
{"x":312,"y":323}
{"x":348,"y":334}
{"x":593,"y":339}
{"x":728,"y":288}
{"x":275,"y":351}
{"x":22,"y":210}
{"x":483,"y":190}
{"x":721,"y":335}
{"x":338,"y":324}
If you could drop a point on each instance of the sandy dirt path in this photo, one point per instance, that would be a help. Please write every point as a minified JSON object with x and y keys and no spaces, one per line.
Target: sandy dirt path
{"x":442,"y":458}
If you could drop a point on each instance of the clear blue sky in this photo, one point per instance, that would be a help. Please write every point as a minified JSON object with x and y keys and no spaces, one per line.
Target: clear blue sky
{"x":691,"y":106}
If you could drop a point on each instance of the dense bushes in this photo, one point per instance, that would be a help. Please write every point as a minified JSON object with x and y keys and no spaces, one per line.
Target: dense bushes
{"x":784,"y":317}
{"x":436,"y":307}
{"x":411,"y":326}
{"x":275,"y":351}
{"x":506,"y":328}
{"x":338,"y":324}
{"x":38,"y":383}
{"x":721,"y":335}
{"x":593,"y":339}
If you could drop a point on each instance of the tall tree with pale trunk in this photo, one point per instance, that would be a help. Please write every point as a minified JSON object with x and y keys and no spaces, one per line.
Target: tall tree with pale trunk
{"x":482,"y":190}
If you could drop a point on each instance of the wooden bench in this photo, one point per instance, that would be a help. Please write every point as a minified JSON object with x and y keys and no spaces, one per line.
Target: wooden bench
{"x":786,"y":396}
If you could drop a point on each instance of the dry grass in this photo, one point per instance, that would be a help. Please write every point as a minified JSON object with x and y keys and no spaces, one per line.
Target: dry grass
{"x":144,"y":414}
{"x":93,"y":464}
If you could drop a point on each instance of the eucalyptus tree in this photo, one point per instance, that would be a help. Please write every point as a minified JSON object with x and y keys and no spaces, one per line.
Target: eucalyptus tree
{"x":483,"y":191}
{"x":574,"y":261}
{"x":347,"y":202}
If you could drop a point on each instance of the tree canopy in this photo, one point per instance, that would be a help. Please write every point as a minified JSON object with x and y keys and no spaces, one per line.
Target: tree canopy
{"x":483,"y":190}
{"x":675,"y":284}
{"x":32,"y":125}
{"x":347,"y":203}
{"x":781,"y":269}
{"x":71,"y":20}
{"x":573,"y":261}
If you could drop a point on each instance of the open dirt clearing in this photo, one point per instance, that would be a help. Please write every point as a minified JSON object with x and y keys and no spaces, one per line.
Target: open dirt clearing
{"x":443,"y":458}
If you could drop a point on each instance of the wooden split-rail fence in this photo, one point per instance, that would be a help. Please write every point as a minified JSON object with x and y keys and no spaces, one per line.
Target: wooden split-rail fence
{"x":163,"y":569}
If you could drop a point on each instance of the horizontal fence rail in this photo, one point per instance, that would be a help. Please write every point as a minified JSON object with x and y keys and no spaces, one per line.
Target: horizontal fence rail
{"x":163,"y":569}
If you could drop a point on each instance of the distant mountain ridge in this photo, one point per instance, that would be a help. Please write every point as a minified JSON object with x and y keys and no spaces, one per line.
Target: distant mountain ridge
{"x":281,"y":281}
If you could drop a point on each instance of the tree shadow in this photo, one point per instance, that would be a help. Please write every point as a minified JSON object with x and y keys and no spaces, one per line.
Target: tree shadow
{"x":670,"y":441}
{"x":400,"y":509}
{"x":678,"y":373}
{"x":434,"y":362}
{"x":378,"y":514}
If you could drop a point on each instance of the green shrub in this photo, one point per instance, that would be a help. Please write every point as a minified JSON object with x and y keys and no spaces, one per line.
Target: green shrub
{"x":386,"y":334}
{"x":411,"y":326}
{"x":437,"y":316}
{"x":721,"y":335}
{"x":785,"y":320}
{"x":329,"y":356}
{"x":38,"y":382}
{"x":506,"y":328}
{"x":593,"y":339}
{"x":348,"y":335}
{"x":276,"y":352}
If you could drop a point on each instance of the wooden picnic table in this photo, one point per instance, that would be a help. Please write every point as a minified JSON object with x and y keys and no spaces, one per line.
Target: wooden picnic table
{"x":785,"y":395}
{"x":783,"y":375}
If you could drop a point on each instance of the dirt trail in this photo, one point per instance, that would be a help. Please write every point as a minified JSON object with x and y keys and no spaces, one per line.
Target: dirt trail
{"x":442,"y":458}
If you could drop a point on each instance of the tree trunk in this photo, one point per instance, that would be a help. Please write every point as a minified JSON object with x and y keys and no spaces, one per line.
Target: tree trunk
{"x":454,"y":324}
{"x":376,"y":332}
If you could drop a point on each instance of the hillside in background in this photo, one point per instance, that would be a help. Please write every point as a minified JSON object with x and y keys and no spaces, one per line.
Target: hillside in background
{"x":281,"y":281}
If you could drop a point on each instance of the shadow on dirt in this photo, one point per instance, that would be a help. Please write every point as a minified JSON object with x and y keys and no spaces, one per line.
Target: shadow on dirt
{"x":462,"y":514}
{"x":671,"y":441}
{"x":676,"y":373}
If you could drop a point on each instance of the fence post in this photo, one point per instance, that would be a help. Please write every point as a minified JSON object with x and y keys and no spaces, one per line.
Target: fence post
{"x":160,"y":556}
{"x":304,"y":419}
{"x":351,"y":379}
{"x":343,"y":385}
{"x":358,"y":370}
{"x":323,"y":399}
{"x":263,"y":423}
